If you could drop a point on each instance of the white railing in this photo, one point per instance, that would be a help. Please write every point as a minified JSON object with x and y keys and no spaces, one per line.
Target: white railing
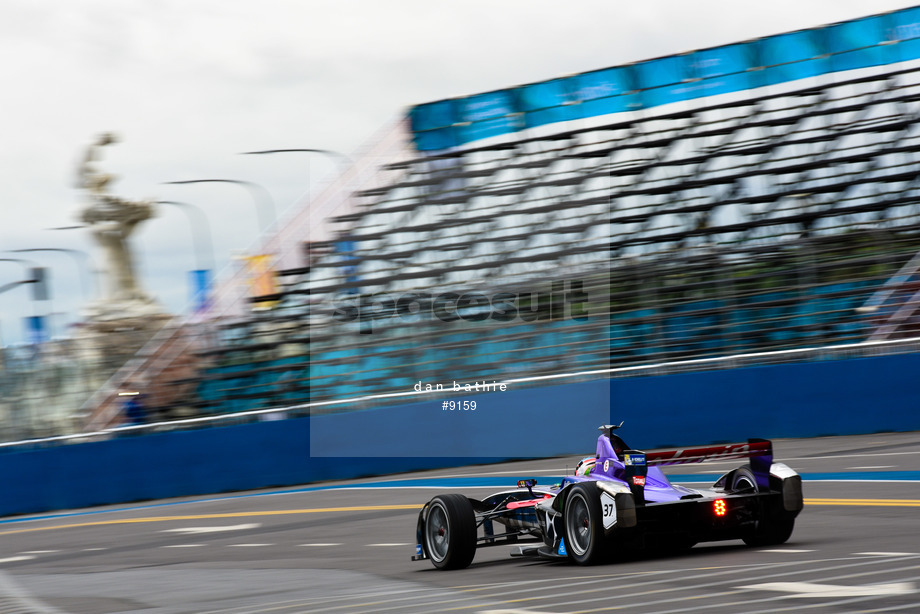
{"x":863,"y":349}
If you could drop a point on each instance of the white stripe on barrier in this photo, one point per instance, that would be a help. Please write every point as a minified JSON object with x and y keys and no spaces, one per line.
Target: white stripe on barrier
{"x":673,"y":365}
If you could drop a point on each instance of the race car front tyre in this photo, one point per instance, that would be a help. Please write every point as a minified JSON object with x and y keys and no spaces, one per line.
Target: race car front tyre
{"x":584,"y":530}
{"x":450,"y":532}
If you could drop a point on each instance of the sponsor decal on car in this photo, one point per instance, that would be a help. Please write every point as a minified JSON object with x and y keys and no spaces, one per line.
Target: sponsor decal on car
{"x":561,"y":551}
{"x":635,"y":459}
{"x":638,"y":480}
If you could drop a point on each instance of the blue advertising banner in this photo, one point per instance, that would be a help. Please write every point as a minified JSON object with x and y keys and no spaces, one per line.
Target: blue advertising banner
{"x":433,"y":125}
{"x":200,"y":284}
{"x":486,"y":115}
{"x":860,"y":43}
{"x":346,"y":251}
{"x":611,"y":90}
{"x":853,"y":44}
{"x":36,"y":329}
{"x":547,"y":103}
{"x":904,"y":29}
{"x":788,"y":57}
{"x":661,"y":80}
{"x":719,"y":70}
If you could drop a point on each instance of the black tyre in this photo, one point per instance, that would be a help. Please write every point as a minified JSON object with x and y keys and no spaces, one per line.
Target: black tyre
{"x":450,"y":532}
{"x":743,"y":480}
{"x":770,"y":531}
{"x":583,"y":523}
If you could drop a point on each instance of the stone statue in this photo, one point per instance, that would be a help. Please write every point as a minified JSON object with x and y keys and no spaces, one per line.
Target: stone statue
{"x":112,"y":220}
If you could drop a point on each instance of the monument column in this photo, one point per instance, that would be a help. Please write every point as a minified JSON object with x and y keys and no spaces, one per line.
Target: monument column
{"x":117,"y":325}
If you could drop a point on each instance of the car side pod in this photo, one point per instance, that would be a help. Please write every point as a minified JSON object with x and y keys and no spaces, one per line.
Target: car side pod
{"x":790,"y":484}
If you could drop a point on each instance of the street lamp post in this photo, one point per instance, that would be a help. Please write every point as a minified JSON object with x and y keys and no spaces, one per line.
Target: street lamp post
{"x":97,"y":273}
{"x":37,"y":295}
{"x":83,"y":263}
{"x":265,"y":205}
{"x":203,"y":275}
{"x":329,"y":152}
{"x":201,"y":233}
{"x":325,"y":152}
{"x":29,"y":265}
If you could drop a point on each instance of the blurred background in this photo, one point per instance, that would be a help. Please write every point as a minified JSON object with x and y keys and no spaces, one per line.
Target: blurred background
{"x":282,"y":221}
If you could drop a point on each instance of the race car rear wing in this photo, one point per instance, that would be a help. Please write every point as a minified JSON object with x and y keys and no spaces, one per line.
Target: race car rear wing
{"x":728,"y":451}
{"x":614,"y":446}
{"x":760,"y":451}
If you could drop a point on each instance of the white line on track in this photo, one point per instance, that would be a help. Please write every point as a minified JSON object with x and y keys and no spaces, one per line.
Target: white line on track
{"x":495,"y":591}
{"x":39,"y":552}
{"x":235,"y":527}
{"x":717,"y":586}
{"x":811,"y":589}
{"x":15,"y":559}
{"x":866,"y":481}
{"x":888,"y":553}
{"x":577,"y":588}
{"x":640,"y":588}
{"x":784,"y":550}
{"x":875,"y":467}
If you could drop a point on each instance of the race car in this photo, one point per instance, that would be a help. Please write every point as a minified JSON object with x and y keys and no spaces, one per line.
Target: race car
{"x":619,"y":500}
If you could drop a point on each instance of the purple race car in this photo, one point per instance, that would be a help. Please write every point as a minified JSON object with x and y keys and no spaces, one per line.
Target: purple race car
{"x":619,"y":500}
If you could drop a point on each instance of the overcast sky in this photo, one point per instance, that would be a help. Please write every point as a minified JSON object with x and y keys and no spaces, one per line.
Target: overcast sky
{"x":188,"y":84}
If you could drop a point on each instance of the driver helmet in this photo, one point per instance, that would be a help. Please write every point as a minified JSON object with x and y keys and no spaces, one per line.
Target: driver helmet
{"x":585,"y":466}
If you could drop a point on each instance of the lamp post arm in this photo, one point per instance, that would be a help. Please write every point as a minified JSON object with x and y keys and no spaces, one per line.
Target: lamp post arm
{"x":265,"y":205}
{"x":201,"y":232}
{"x":12,"y":285}
{"x":84,"y":267}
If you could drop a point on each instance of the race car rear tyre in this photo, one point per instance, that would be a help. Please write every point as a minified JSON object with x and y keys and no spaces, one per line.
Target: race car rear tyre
{"x":743,"y":480}
{"x":584,"y":529}
{"x":450,"y":532}
{"x":772,"y":532}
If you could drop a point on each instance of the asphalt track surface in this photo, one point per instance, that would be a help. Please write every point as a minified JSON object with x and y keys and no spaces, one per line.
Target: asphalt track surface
{"x":346,"y":547}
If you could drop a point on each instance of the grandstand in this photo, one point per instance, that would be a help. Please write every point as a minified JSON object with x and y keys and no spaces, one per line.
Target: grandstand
{"x":763,"y":220}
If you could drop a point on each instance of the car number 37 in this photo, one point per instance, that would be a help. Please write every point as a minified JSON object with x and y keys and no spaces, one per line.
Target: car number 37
{"x":608,"y":510}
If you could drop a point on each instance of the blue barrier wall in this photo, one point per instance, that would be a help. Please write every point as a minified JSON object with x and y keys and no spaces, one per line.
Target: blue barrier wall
{"x":176,"y":464}
{"x":799,"y":400}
